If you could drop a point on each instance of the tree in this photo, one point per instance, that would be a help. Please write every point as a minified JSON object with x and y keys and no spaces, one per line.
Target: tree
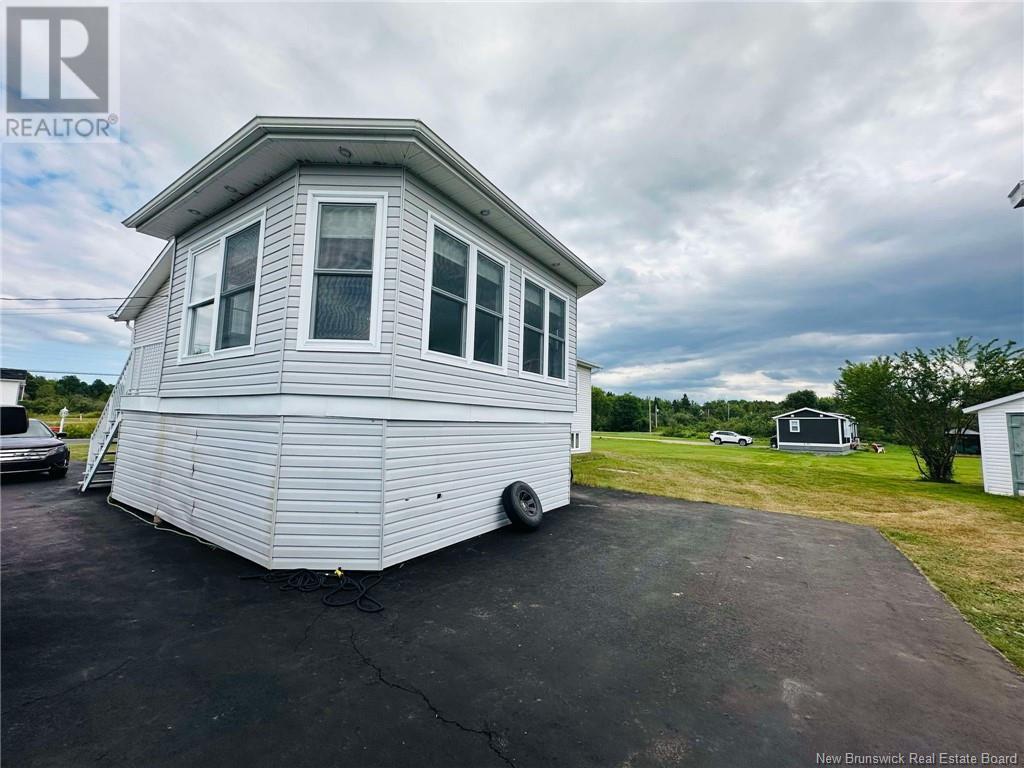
{"x":922,"y":394}
{"x":802,"y":398}
{"x":628,"y":414}
{"x":600,"y":409}
{"x":862,"y":391}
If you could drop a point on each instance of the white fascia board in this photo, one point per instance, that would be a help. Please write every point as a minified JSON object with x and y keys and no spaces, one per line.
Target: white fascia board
{"x":150,"y":282}
{"x":321,"y":406}
{"x":993,"y":403}
{"x":415,"y":132}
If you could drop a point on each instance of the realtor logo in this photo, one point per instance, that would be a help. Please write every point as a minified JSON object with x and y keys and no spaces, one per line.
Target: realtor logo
{"x":58,"y":60}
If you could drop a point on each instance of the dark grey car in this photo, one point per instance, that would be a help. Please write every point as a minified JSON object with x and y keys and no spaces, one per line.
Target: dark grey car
{"x":37,"y":449}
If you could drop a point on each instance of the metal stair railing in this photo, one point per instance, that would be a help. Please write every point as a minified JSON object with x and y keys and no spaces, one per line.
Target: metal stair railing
{"x":109,"y":418}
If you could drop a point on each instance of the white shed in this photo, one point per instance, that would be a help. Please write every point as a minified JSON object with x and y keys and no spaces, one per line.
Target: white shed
{"x":12,"y":385}
{"x":581,"y":419}
{"x":1001,"y":423}
{"x":349,"y":345}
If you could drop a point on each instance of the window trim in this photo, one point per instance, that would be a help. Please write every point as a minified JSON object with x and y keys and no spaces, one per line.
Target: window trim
{"x":549,"y":289}
{"x":217,"y":238}
{"x":314,"y":199}
{"x":475,"y":250}
{"x":794,"y":423}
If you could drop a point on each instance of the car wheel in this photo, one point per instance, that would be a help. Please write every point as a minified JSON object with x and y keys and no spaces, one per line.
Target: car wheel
{"x":718,"y":441}
{"x":58,"y":472}
{"x":522,"y":505}
{"x":743,"y":442}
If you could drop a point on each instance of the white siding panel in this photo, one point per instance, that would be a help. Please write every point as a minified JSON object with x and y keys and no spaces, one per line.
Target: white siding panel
{"x":212,"y":476}
{"x":249,"y":374}
{"x":995,"y":447}
{"x":431,"y":380}
{"x":148,"y":327}
{"x":581,"y":419}
{"x":361,"y":374}
{"x":444,"y":479}
{"x":329,"y":497}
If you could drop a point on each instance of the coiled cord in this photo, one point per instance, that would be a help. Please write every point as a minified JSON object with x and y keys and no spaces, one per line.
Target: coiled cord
{"x":339,"y":583}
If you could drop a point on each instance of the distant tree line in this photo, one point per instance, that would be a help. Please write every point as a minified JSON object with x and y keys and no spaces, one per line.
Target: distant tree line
{"x":684,"y":417}
{"x":48,"y":396}
{"x":915,"y":398}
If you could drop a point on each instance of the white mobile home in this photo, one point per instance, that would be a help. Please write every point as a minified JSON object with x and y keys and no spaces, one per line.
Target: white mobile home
{"x":582,"y":418}
{"x":1001,"y":424}
{"x":350,"y":344}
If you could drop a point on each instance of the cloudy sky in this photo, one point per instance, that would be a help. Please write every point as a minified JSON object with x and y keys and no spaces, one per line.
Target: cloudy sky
{"x":769,"y":189}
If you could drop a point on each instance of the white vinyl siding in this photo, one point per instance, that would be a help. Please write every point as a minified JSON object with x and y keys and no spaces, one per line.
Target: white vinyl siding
{"x":329,"y":499}
{"x":148,"y":331}
{"x":234,"y":374}
{"x":581,"y":419}
{"x":996,"y":466}
{"x":444,"y":480}
{"x":357,"y":372}
{"x":211,"y":476}
{"x":421,"y":377}
{"x":149,"y":326}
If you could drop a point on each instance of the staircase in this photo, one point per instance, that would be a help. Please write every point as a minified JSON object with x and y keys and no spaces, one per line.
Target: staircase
{"x":99,"y":468}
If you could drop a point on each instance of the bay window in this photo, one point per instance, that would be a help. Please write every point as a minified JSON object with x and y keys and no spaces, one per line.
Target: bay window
{"x":544,"y":329}
{"x":221,"y":292}
{"x":342,"y":271}
{"x":465,"y":297}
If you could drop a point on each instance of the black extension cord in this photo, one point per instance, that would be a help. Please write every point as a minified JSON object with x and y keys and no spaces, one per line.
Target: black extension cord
{"x":339,"y":583}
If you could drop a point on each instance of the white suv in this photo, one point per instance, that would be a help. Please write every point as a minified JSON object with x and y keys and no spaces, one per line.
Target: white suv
{"x":725,"y":436}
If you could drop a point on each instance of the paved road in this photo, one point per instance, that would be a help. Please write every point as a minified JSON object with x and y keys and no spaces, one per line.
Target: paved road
{"x":629,"y":631}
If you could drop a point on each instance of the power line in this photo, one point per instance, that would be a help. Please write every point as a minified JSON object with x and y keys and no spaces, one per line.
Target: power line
{"x":71,"y":298}
{"x":83,"y":373}
{"x":59,"y":309}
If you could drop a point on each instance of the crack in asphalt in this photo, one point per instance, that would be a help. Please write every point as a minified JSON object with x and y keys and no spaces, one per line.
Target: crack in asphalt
{"x":78,"y":685}
{"x":493,"y":738}
{"x":305,"y":634}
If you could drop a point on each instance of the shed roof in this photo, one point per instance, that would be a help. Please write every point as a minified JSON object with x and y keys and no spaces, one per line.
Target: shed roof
{"x":993,"y":403}
{"x":815,"y":410}
{"x":265,"y":147}
{"x":584,"y":364}
{"x":13,"y":374}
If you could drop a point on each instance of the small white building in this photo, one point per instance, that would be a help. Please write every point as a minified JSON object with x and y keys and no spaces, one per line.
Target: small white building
{"x":1001,"y":423}
{"x":349,"y":345}
{"x":582,"y":418}
{"x":12,"y":385}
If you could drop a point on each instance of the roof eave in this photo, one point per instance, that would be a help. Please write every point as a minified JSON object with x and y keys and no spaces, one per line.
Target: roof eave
{"x":1017,"y":195}
{"x":262,"y":127}
{"x":994,"y":403}
{"x":140,"y":295}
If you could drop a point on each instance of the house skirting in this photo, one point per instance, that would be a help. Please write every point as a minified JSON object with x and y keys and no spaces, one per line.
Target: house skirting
{"x":323,"y":492}
{"x":814,"y":448}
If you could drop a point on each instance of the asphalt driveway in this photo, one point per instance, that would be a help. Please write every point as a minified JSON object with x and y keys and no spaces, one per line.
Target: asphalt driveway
{"x":630,"y":631}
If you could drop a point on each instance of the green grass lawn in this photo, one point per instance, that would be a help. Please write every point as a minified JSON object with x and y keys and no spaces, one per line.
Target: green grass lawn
{"x":968,"y":543}
{"x":76,"y":425}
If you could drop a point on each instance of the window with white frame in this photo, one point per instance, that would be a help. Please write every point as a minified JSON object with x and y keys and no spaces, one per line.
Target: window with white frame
{"x":222,"y":292}
{"x":794,"y":425}
{"x":466,"y":299}
{"x":342,"y":271}
{"x":575,"y":440}
{"x":544,"y":329}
